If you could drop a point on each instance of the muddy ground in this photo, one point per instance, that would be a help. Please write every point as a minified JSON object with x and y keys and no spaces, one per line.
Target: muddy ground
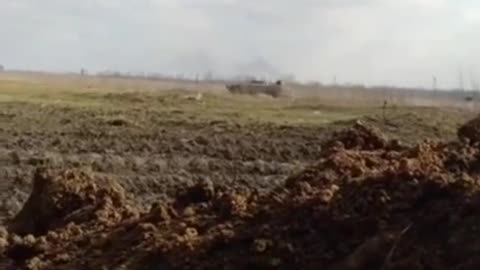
{"x":148,"y":161}
{"x":218,"y":180}
{"x":153,"y":152}
{"x":368,"y":202}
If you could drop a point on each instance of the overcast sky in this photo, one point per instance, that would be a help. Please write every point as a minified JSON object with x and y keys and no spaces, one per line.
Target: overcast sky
{"x":400,"y":42}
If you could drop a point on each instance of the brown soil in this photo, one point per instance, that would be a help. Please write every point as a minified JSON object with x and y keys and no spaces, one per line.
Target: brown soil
{"x":151,"y":161}
{"x":367,"y":203}
{"x":470,"y":131}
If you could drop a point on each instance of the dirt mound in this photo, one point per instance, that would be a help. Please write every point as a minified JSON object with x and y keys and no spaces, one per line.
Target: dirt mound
{"x":364,"y":205}
{"x":359,"y":137}
{"x":470,"y":131}
{"x":60,"y":198}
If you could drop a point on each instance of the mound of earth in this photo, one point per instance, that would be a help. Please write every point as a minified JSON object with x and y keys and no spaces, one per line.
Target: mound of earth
{"x":470,"y":131}
{"x":364,"y":205}
{"x":60,"y":198}
{"x":359,"y":137}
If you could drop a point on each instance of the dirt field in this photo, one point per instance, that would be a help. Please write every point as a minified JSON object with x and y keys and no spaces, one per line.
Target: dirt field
{"x":157,"y":143}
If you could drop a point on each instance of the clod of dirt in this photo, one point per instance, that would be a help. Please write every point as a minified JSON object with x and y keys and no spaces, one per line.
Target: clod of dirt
{"x":470,"y":131}
{"x":202,"y":190}
{"x":118,"y":122}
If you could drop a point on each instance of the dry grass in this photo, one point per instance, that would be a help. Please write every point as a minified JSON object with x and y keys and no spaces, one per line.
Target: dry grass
{"x":173,"y":100}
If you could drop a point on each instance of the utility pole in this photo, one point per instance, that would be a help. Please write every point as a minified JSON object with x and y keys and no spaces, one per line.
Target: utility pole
{"x":472,"y":81}
{"x":461,"y":84}
{"x":434,"y":86}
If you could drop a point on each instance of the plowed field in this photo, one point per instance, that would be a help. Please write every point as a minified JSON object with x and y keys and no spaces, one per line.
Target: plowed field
{"x":165,"y":181}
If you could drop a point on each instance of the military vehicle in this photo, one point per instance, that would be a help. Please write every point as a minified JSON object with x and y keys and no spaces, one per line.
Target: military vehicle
{"x":256,"y":87}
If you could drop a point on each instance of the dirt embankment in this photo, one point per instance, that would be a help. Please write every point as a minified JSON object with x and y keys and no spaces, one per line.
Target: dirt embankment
{"x":368,"y":203}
